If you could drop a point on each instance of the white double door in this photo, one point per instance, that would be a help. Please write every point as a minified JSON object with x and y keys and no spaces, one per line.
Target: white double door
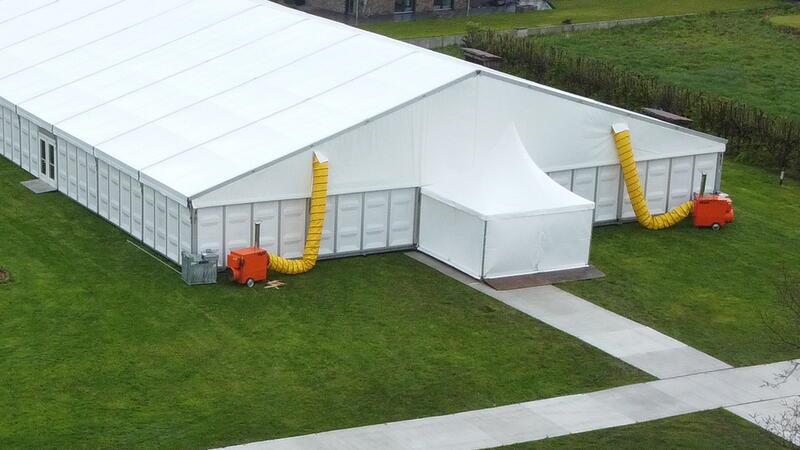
{"x":47,"y":160}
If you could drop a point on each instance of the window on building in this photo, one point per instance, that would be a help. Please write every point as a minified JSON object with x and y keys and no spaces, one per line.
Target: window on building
{"x":442,"y":4}
{"x":404,"y":6}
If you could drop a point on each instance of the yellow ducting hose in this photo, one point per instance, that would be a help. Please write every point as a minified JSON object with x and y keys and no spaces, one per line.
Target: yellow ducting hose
{"x":319,"y":198}
{"x":622,"y":138}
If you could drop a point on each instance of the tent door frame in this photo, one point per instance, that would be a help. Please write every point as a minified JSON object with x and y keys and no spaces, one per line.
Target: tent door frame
{"x":48,"y":159}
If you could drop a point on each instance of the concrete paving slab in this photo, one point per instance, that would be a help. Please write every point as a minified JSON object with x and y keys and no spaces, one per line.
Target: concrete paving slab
{"x":642,"y":402}
{"x":675,"y":362}
{"x":632,"y":341}
{"x":579,"y":413}
{"x":516,"y":423}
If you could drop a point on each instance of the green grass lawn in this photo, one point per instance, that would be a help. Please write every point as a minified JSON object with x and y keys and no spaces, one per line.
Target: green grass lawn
{"x":701,"y":431}
{"x":737,"y":55}
{"x":101,"y":346}
{"x":791,"y":21}
{"x":707,"y":289}
{"x":578,"y":11}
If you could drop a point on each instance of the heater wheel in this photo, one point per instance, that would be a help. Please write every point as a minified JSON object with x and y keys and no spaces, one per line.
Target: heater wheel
{"x":716,"y":227}
{"x":250,"y":282}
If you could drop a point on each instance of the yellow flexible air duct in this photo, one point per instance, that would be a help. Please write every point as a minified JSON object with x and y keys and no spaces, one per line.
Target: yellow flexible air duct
{"x":622,"y":138}
{"x":319,"y":198}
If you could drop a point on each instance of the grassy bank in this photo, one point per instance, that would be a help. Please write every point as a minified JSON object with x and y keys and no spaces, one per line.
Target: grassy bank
{"x":739,"y":56}
{"x":578,"y":11}
{"x":711,"y":290}
{"x":104,"y":347}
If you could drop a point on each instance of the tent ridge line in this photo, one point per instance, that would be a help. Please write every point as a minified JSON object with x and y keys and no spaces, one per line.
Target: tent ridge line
{"x":455,"y":81}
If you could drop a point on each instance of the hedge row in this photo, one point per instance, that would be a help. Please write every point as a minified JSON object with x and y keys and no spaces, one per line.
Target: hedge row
{"x":754,"y":136}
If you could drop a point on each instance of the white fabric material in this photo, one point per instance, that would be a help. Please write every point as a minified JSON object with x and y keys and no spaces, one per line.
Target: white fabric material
{"x":505,"y":217}
{"x":188,"y":95}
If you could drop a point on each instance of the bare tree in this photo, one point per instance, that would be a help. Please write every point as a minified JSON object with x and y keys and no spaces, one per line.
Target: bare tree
{"x":786,"y":331}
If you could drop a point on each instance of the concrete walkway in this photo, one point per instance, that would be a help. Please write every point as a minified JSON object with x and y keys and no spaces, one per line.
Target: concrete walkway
{"x":523,"y":422}
{"x":632,"y":342}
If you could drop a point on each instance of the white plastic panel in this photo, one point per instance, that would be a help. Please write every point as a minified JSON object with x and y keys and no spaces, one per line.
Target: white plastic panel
{"x":102,"y":188}
{"x":451,"y":235}
{"x":149,"y":217}
{"x":161,"y":223}
{"x":269,"y":214}
{"x":173,"y":231}
{"x":607,"y":199}
{"x":293,"y":228}
{"x":185,"y":229}
{"x":83,"y":184}
{"x":6,"y":144}
{"x":564,"y":178}
{"x":401,"y":217}
{"x":137,"y":221}
{"x":209,"y":231}
{"x":376,"y":219}
{"x":72,"y":171}
{"x":705,"y":164}
{"x":327,"y":244}
{"x":657,"y":179}
{"x":237,"y":227}
{"x":627,"y":208}
{"x":17,"y":151}
{"x":584,"y":182}
{"x":61,"y":166}
{"x":25,"y":143}
{"x":348,"y":223}
{"x":113,"y":195}
{"x":125,"y":202}
{"x":33,"y":144}
{"x":680,"y":181}
{"x":91,"y":182}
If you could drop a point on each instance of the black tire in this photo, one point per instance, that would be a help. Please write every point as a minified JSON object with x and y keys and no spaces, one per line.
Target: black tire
{"x":251,"y":282}
{"x":716,"y":227}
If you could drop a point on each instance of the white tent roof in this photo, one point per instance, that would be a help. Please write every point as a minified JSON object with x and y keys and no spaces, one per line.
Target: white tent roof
{"x":188,"y":95}
{"x":505,"y":183}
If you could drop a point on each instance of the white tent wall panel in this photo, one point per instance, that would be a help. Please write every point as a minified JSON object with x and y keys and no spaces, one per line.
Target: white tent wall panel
{"x":83,"y":182}
{"x":348,"y":223}
{"x":185,"y":231}
{"x":542,"y":243}
{"x":451,"y":235}
{"x":680,"y":186}
{"x":92,"y":183}
{"x":72,"y":171}
{"x":25,"y":142}
{"x":173,"y":230}
{"x":62,"y":174}
{"x":402,"y":217}
{"x":564,"y":178}
{"x":584,"y":182}
{"x":376,"y":220}
{"x":137,"y":204}
{"x":102,"y":189}
{"x":113,"y":195}
{"x":705,"y":164}
{"x":210,"y":231}
{"x":16,"y":138}
{"x":268,"y":213}
{"x":237,"y":227}
{"x":7,"y":145}
{"x":161,"y":222}
{"x":607,"y":197}
{"x":125,"y":202}
{"x":33,"y":144}
{"x":327,"y":244}
{"x":149,"y":217}
{"x":293,"y":227}
{"x":657,"y":185}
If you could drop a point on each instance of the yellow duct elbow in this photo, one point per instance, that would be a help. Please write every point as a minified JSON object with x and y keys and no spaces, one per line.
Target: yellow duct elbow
{"x":622,"y":139}
{"x":319,"y":198}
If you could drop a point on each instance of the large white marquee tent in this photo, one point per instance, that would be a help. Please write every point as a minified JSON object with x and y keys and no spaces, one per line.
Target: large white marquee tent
{"x":184,"y":121}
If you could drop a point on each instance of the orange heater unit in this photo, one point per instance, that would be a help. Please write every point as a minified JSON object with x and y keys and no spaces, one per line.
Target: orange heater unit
{"x":712,"y":210}
{"x":249,"y":265}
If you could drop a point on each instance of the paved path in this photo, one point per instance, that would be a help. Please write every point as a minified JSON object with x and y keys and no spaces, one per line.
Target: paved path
{"x":632,"y":342}
{"x":523,"y":422}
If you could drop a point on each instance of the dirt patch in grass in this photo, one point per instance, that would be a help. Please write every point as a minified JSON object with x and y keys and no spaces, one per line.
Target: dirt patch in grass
{"x":4,"y":275}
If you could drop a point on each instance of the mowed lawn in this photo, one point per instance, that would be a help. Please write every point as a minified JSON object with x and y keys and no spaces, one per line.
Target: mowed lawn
{"x":101,"y":346}
{"x":578,"y":11}
{"x":700,"y":431}
{"x":737,"y":55}
{"x":715,"y":291}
